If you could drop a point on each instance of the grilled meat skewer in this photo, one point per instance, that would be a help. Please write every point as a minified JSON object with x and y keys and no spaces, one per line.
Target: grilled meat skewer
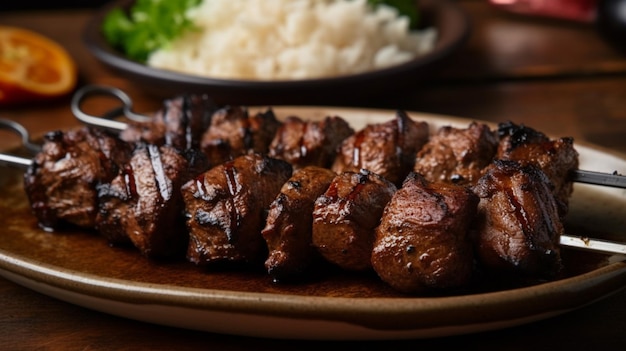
{"x":578,"y":175}
{"x":603,"y":179}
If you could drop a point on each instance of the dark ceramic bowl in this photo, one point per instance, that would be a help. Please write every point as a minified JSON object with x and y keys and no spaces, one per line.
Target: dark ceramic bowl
{"x":450,"y":21}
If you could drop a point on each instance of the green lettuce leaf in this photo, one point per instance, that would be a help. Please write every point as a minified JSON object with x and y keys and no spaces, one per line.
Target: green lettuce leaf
{"x":405,"y":7}
{"x":148,"y":26}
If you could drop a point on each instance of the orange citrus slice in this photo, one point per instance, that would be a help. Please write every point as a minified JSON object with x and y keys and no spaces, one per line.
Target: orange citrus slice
{"x":33,"y":67}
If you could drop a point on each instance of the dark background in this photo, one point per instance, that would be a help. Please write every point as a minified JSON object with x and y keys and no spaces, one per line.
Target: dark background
{"x":12,"y":5}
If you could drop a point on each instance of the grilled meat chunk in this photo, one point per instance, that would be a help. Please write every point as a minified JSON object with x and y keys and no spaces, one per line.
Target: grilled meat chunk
{"x":143,"y":204}
{"x":557,"y":158}
{"x":422,"y":243}
{"x":345,"y":216}
{"x":518,"y":224}
{"x":226,"y":208}
{"x":457,"y":155}
{"x":233,"y":133}
{"x":180,"y":123}
{"x":289,"y":223}
{"x":387,"y":149}
{"x":61,"y":182}
{"x":309,"y":143}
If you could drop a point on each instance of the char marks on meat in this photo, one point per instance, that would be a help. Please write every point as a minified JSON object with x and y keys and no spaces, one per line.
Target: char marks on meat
{"x":142,"y":205}
{"x":457,"y":155}
{"x":422,"y":243}
{"x":61,"y":181}
{"x":226,"y":208}
{"x":346,"y":215}
{"x":387,"y":149}
{"x":180,"y":123}
{"x":557,"y":158}
{"x":518,"y":223}
{"x":288,"y":229}
{"x":309,"y":143}
{"x":233,"y":133}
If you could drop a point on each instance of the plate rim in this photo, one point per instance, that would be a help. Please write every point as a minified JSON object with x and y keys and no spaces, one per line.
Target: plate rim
{"x":412,"y":316}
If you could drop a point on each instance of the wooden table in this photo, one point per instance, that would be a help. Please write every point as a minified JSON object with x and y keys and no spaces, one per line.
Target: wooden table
{"x":558,"y":77}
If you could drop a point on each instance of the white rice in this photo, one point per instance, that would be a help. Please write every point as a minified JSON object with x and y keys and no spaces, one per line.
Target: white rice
{"x":292,"y":39}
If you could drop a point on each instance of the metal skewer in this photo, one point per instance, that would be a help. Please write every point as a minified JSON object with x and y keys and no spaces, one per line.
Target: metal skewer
{"x":19,"y":129}
{"x":590,"y":244}
{"x":107,"y":121}
{"x":598,"y":178}
{"x":16,"y":161}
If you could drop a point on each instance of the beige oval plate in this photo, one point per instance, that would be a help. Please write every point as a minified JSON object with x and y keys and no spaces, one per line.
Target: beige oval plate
{"x":79,"y":267}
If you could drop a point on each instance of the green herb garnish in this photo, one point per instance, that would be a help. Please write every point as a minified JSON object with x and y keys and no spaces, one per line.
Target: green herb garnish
{"x":148,"y":26}
{"x":405,"y":7}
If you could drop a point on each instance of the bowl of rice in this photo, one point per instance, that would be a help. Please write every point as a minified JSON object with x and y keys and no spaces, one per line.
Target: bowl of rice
{"x":281,"y":52}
